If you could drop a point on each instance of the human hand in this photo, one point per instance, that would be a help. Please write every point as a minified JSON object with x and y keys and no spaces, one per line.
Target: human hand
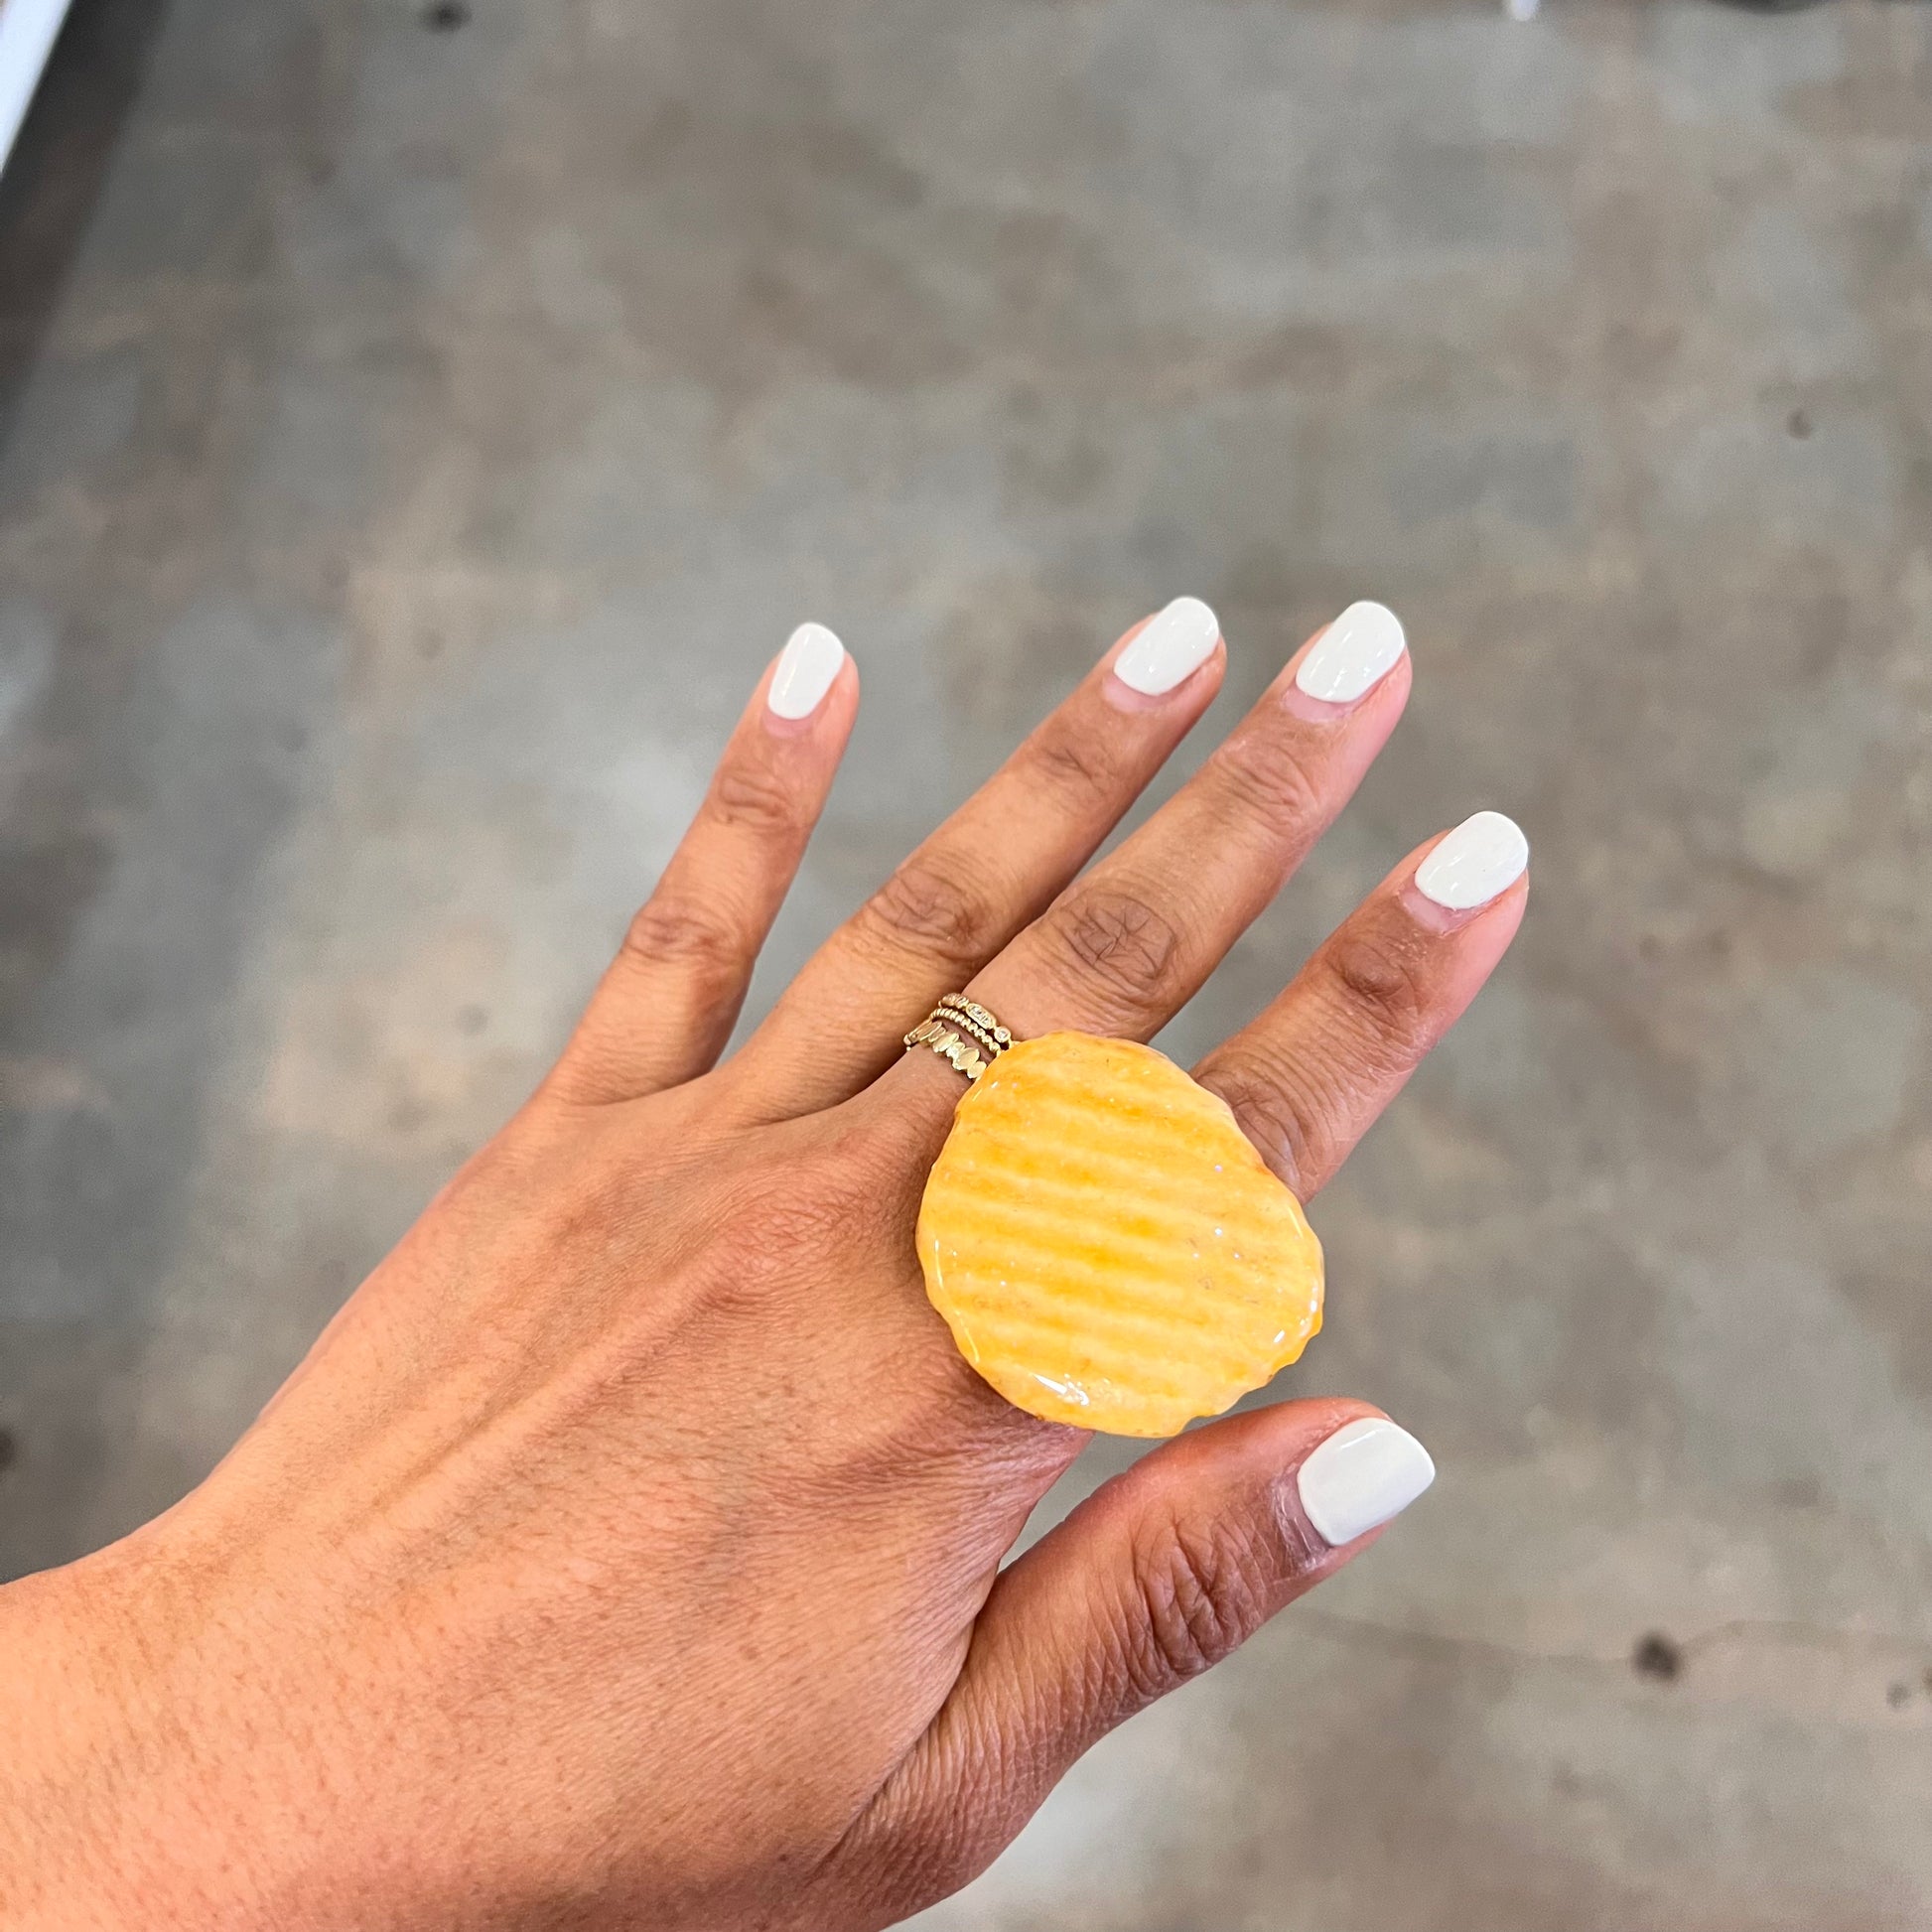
{"x":627,"y":1552}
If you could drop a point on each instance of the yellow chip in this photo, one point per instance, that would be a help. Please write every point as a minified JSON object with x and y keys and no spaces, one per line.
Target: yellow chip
{"x":1107,"y":1246}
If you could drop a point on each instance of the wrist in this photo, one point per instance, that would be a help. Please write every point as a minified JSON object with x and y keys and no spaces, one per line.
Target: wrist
{"x":104,"y":1819}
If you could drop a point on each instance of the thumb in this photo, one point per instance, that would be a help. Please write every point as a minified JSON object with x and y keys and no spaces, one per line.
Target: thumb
{"x":1156,"y":1578}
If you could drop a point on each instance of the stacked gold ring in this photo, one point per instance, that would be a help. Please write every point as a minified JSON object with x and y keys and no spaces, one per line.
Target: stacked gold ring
{"x":963,"y":1033}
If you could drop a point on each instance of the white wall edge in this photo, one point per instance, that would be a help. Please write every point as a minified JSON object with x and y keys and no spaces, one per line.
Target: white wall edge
{"x":28,"y":29}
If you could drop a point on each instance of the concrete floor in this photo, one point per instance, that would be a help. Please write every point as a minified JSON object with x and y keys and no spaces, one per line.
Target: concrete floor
{"x":413,"y":440}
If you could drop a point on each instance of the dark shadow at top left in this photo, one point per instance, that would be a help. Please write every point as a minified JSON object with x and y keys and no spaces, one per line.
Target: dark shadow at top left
{"x":50,"y":184}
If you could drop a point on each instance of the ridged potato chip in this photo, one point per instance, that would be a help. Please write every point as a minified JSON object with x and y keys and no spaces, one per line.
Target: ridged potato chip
{"x":1106,"y":1245}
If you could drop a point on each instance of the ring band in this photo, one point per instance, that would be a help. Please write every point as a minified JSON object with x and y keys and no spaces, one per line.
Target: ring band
{"x":980,"y":1017}
{"x":978,"y":1031}
{"x":963,"y":1033}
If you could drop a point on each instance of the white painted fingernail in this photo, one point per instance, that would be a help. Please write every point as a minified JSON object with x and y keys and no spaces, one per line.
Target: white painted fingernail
{"x":1175,"y":644}
{"x":1474,"y":862}
{"x":1364,"y":1474}
{"x":1356,"y":653}
{"x":807,"y":666}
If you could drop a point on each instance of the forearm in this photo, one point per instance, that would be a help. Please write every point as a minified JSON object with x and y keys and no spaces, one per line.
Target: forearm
{"x":99,"y":1820}
{"x":61,"y":1776}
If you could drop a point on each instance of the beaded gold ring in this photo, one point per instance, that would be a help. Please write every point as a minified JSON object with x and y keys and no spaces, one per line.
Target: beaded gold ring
{"x":963,"y":1033}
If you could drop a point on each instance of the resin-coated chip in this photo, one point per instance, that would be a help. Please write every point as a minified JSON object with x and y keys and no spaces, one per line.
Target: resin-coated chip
{"x":1107,"y":1246}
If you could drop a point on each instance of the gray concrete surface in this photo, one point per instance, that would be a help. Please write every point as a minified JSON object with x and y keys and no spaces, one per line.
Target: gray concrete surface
{"x":413,"y":441}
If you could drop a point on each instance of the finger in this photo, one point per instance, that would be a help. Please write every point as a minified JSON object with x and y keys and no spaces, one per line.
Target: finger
{"x":1309,"y":1076}
{"x":667,"y":1003}
{"x":1129,"y":943}
{"x":1158,"y":1576}
{"x":992,"y":867}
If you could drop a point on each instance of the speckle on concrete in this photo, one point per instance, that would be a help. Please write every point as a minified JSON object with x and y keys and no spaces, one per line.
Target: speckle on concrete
{"x":416,"y":432}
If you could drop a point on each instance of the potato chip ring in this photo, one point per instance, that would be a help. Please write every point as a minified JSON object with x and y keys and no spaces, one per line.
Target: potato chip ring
{"x":1105,"y":1243}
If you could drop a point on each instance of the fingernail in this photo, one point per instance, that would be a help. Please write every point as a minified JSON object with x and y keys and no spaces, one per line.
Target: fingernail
{"x":1474,"y":862}
{"x":1364,"y":1474}
{"x":807,"y":666}
{"x":1175,"y":644}
{"x":1356,"y":653}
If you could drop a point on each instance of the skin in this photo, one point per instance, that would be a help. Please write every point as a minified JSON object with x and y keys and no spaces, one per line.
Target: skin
{"x":627,"y":1552}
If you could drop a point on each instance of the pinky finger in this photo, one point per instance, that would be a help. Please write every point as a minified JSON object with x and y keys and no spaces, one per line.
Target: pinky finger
{"x":667,"y":1003}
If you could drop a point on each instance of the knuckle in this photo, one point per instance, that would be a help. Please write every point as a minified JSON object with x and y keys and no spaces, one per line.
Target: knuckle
{"x":1269,"y":781}
{"x":1120,"y":940}
{"x":926,"y":906}
{"x":1077,"y":763}
{"x":1198,"y":1597}
{"x":749,"y":798}
{"x":1382,"y":976}
{"x":1287,"y":1124}
{"x":673,"y":931}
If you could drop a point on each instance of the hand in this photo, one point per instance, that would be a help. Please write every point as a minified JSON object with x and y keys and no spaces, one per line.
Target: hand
{"x":627,"y":1552}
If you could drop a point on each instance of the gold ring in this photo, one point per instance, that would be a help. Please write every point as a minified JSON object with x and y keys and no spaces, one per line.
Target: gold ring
{"x":963,"y":1033}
